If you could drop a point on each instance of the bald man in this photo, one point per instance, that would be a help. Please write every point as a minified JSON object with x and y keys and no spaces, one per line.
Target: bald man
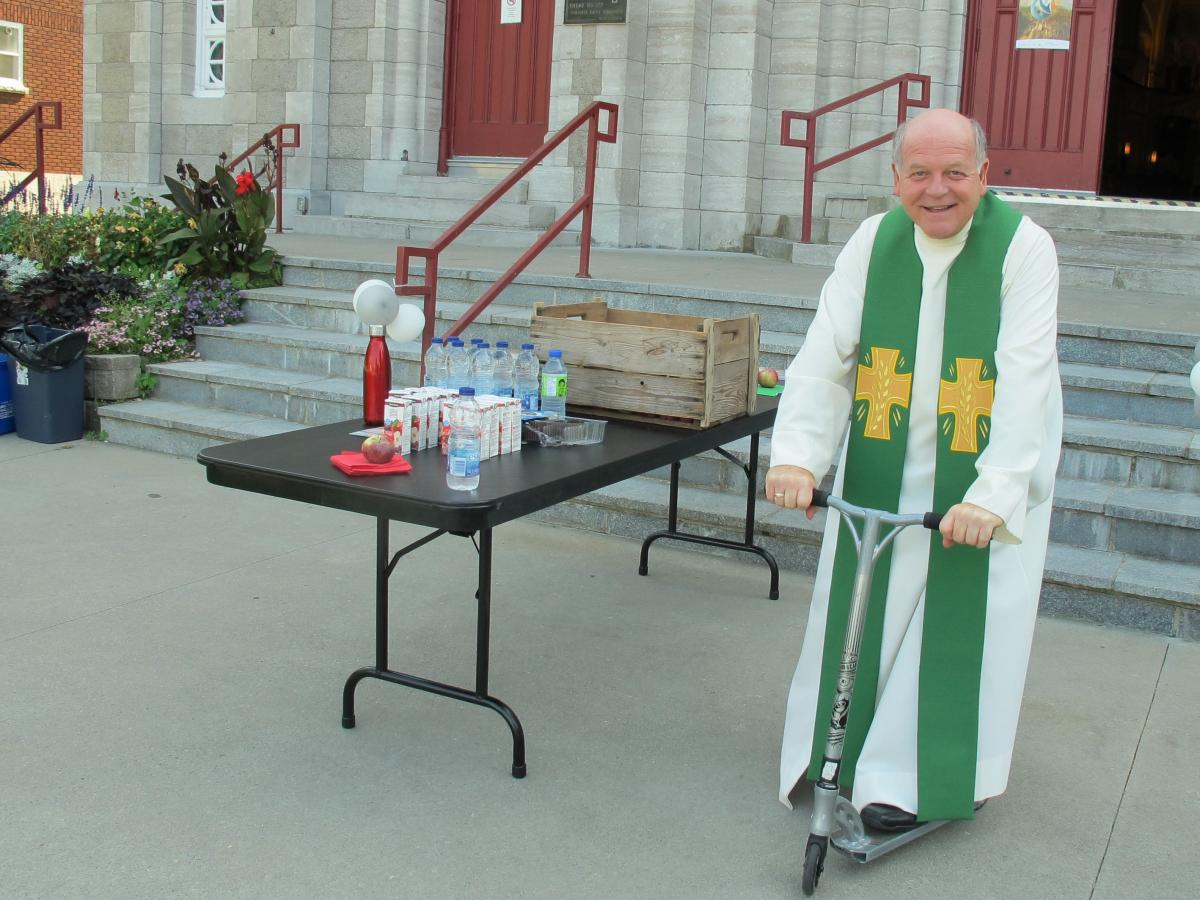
{"x":931,"y":362}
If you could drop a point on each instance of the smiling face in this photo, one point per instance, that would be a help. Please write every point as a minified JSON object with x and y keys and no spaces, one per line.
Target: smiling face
{"x":938,"y":180}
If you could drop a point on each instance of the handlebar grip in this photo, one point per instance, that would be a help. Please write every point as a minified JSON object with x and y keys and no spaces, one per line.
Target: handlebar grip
{"x":820,"y":497}
{"x":932,"y":521}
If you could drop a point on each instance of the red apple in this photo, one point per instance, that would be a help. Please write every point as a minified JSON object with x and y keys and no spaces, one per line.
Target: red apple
{"x":768,"y":377}
{"x":378,"y":449}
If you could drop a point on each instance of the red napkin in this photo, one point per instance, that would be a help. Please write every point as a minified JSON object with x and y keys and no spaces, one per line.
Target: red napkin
{"x":354,"y":463}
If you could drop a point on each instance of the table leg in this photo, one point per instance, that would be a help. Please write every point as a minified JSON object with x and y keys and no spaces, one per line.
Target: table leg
{"x":380,"y":671}
{"x":672,"y":531}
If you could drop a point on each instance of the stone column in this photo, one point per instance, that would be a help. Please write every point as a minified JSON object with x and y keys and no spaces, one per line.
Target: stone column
{"x":122,"y":91}
{"x":735,"y":123}
{"x":404,"y":48}
{"x":673,"y":123}
{"x":589,"y":63}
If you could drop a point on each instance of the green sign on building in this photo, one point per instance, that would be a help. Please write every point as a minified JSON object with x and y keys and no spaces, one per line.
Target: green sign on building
{"x":594,"y":12}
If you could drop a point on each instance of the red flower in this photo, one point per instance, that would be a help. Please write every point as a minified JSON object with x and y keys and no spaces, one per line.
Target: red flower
{"x":246,"y":183}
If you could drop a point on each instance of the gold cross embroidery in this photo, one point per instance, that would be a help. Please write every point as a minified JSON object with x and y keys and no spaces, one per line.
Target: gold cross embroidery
{"x":882,"y":388}
{"x":966,"y":398}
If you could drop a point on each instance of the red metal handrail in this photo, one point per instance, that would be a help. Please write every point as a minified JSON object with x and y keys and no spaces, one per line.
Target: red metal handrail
{"x":274,"y":143}
{"x":809,"y":141}
{"x":428,"y":290}
{"x":35,"y":112}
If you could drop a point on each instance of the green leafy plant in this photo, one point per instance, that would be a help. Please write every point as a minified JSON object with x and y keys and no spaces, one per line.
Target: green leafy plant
{"x":146,"y":383}
{"x":131,"y":239}
{"x":226,"y":231}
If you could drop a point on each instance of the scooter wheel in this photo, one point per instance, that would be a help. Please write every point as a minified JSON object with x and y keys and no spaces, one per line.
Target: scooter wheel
{"x":814,"y":865}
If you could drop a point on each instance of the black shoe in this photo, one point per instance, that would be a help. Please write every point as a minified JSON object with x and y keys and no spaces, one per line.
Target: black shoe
{"x":882,"y":817}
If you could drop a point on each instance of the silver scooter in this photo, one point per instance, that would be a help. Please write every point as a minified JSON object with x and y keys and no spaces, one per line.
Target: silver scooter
{"x":834,"y":818}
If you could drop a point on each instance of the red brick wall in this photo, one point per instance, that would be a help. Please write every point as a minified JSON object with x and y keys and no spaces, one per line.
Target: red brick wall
{"x":53,"y":71}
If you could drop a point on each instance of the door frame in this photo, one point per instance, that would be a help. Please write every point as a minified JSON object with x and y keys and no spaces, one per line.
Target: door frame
{"x":448,"y":60}
{"x":971,"y":38}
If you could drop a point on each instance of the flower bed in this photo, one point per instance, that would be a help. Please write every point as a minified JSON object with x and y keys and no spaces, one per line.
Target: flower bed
{"x":140,"y":278}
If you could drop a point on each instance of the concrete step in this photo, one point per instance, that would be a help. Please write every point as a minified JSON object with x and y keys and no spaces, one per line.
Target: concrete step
{"x":446,"y":210}
{"x":1083,"y":342}
{"x":1163,"y":218}
{"x":306,"y":350}
{"x":1149,"y":523}
{"x":459,"y":187}
{"x":1103,"y":392}
{"x":423,"y":233}
{"x":1120,"y":454}
{"x":182,"y":429}
{"x":1077,"y":267}
{"x":297,"y":397}
{"x":1130,"y":454}
{"x":1131,"y":348}
{"x":1106,"y":587}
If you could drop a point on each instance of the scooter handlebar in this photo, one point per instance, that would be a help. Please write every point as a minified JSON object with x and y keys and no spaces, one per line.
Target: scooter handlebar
{"x":932,"y":520}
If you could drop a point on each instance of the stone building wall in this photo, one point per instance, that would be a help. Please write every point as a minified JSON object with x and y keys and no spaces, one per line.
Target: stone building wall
{"x":701,"y":86}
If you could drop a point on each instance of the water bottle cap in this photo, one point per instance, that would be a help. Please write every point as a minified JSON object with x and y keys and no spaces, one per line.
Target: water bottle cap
{"x":466,"y":391}
{"x":556,"y":353}
{"x":501,"y":343}
{"x":476,"y":340}
{"x":484,"y":344}
{"x":435,"y":340}
{"x":527,"y":346}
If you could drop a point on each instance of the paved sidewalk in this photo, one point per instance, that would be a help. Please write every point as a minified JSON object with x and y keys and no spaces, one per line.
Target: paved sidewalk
{"x":739,"y":272}
{"x":171,"y":662}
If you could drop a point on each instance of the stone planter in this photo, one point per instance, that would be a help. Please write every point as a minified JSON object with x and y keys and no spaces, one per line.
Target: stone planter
{"x":108,"y":377}
{"x":111,"y":376}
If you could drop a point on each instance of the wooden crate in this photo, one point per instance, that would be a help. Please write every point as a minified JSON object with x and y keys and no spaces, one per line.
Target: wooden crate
{"x":673,"y":370}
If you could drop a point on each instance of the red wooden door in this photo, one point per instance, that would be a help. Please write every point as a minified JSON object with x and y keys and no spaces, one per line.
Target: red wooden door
{"x":1043,"y":110}
{"x":499,"y":85}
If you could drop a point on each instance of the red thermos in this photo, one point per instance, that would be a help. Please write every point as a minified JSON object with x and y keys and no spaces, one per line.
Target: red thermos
{"x":377,"y":377}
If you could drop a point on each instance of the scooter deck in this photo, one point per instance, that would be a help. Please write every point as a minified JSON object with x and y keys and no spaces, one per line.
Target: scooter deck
{"x":873,"y":845}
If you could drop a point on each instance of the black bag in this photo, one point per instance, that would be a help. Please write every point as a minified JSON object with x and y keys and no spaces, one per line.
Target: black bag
{"x":42,"y":348}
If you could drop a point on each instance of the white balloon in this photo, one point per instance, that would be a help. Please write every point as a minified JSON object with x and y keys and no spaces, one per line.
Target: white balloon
{"x":407,"y":325}
{"x":376,"y":302}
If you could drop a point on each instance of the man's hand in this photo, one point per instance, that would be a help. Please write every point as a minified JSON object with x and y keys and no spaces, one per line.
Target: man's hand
{"x":791,"y":487}
{"x":969,"y":524}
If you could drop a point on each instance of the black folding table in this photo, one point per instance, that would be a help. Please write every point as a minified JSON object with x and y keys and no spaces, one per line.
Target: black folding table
{"x":295,"y":465}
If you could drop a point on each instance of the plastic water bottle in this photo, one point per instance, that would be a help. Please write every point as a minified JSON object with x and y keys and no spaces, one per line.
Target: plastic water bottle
{"x":462,"y":462}
{"x":502,"y":370}
{"x":527,"y":378}
{"x":435,"y":364}
{"x":481,"y":368}
{"x":554,"y":386}
{"x":458,"y":366}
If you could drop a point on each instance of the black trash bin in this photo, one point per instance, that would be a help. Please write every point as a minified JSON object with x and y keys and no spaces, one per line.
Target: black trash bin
{"x":45,"y":372}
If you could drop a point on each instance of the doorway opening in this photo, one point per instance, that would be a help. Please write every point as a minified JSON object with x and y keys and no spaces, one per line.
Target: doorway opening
{"x":1152,"y":135}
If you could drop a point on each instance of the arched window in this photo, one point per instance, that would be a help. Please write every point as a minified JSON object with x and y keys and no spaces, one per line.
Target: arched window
{"x":210,"y":48}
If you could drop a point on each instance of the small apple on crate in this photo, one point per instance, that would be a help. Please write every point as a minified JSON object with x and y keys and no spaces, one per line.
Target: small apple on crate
{"x":768,"y":377}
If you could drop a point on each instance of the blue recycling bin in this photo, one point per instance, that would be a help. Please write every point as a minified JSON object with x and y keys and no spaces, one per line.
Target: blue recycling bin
{"x":6,"y":405}
{"x":45,"y":376}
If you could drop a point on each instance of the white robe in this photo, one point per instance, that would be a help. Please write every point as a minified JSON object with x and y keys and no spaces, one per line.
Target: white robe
{"x":1015,"y":481}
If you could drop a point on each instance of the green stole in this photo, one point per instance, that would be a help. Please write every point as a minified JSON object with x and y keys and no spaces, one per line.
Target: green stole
{"x":956,"y":591}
